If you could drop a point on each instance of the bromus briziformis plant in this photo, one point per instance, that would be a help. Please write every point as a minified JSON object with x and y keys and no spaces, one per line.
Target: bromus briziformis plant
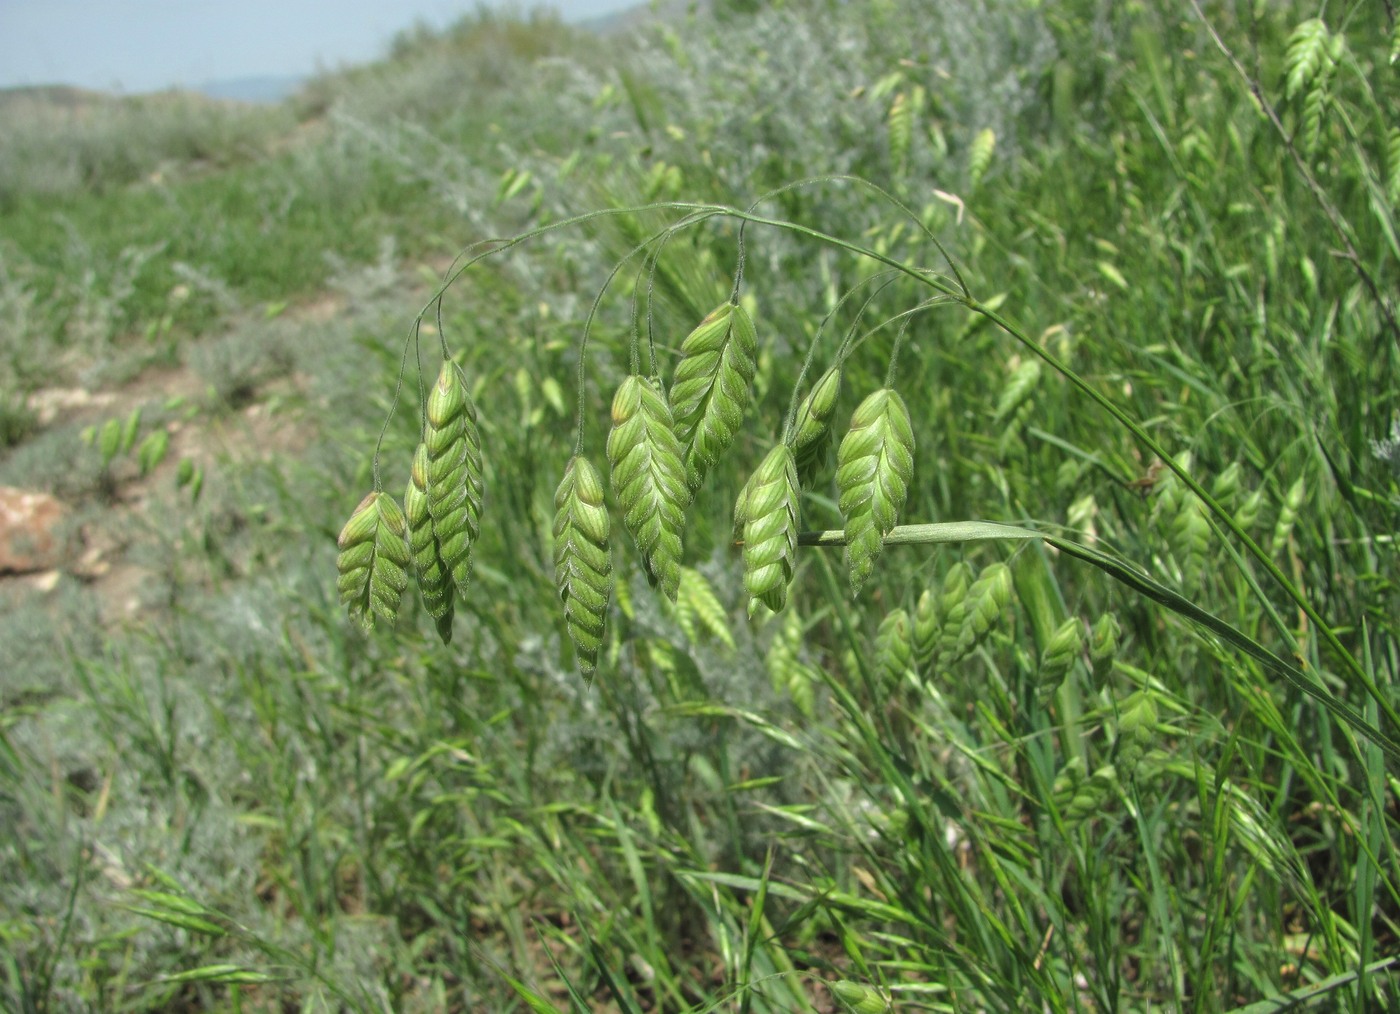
{"x":662,"y":444}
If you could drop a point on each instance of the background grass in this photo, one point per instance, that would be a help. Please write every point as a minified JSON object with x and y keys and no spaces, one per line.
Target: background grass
{"x":240,"y":802}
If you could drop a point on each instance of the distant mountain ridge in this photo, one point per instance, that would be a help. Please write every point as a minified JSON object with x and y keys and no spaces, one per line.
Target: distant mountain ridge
{"x":263,"y":88}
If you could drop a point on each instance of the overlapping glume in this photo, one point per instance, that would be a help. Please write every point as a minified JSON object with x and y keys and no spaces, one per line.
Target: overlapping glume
{"x":455,"y":486}
{"x":770,"y":530}
{"x":874,"y":466}
{"x":373,"y":561}
{"x":582,"y":561}
{"x":648,"y":478}
{"x":434,"y":576}
{"x":710,"y":389}
{"x":812,"y":426}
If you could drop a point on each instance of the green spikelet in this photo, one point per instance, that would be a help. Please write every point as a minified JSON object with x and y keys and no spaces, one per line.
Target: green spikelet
{"x":926,"y":625}
{"x":1103,"y":647}
{"x":901,"y":125}
{"x":582,"y":562}
{"x":952,"y":606}
{"x":859,"y":998}
{"x":1287,"y":517}
{"x":1225,"y":490}
{"x":434,"y":579}
{"x":1190,"y":537}
{"x":986,"y":599}
{"x":711,"y":387}
{"x":1137,"y":727}
{"x":454,"y":472}
{"x":894,"y":649}
{"x":1306,"y":56}
{"x":873,"y":468}
{"x":741,"y":508}
{"x":979,"y":158}
{"x":770,"y":530}
{"x":1314,"y":104}
{"x":1078,"y":797}
{"x":698,"y":606}
{"x":811,"y":430}
{"x":374,"y":560}
{"x":1018,"y":390}
{"x":648,"y":478}
{"x":1057,"y":658}
{"x":786,"y":671}
{"x":1248,"y":514}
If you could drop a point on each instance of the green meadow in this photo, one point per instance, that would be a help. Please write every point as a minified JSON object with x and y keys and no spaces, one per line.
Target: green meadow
{"x":1095,"y":707}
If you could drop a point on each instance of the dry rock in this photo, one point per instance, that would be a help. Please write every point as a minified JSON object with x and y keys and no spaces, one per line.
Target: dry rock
{"x":30,"y":536}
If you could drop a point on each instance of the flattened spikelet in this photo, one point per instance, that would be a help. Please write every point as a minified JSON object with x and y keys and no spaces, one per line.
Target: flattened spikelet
{"x":894,"y":650}
{"x":770,"y":530}
{"x":711,"y":387}
{"x":873,"y":468}
{"x":454,"y":471}
{"x":648,"y":478}
{"x":582,"y":561}
{"x":374,"y":560}
{"x":812,"y":427}
{"x":434,"y":578}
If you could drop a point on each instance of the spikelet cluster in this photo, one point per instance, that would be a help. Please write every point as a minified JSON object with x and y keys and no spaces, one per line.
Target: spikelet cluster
{"x":987,"y":597}
{"x":648,"y":478}
{"x":770,"y":530}
{"x":374,"y":560}
{"x":697,"y":607}
{"x":979,"y":157}
{"x":874,"y":466}
{"x":812,"y":427}
{"x":952,"y":605}
{"x":894,"y":649}
{"x":710,"y":390}
{"x":786,"y":671}
{"x":582,"y":561}
{"x":927,"y":623}
{"x":1103,"y":647}
{"x":455,"y":485}
{"x":1055,"y":661}
{"x":434,"y":578}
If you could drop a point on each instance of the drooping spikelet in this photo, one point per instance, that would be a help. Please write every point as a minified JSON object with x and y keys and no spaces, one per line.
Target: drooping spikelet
{"x":434,"y":578}
{"x":873,"y":467}
{"x":711,"y":387}
{"x":894,"y":650}
{"x":770,"y":530}
{"x":648,"y":478}
{"x":373,"y":561}
{"x":454,"y":471}
{"x":582,"y":561}
{"x":812,"y":427}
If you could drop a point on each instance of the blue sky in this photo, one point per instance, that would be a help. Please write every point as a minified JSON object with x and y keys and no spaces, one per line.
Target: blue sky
{"x":144,"y":45}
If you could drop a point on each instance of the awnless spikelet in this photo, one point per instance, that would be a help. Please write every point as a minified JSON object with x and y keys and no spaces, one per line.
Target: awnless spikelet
{"x":648,"y":478}
{"x":582,"y":561}
{"x":812,"y":428}
{"x":434,"y":578}
{"x":873,"y":468}
{"x":770,"y":530}
{"x":711,"y":387}
{"x":894,"y":650}
{"x":374,"y":560}
{"x":454,"y":471}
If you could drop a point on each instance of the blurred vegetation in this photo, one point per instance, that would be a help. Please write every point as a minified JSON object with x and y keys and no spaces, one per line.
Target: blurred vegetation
{"x":1076,"y":801}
